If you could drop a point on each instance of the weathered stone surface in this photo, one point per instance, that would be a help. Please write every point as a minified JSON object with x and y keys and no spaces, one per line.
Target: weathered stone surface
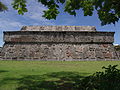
{"x":58,"y":28}
{"x":62,"y":43}
{"x":59,"y":52}
{"x":59,"y":37}
{"x":0,"y":49}
{"x":1,"y":54}
{"x":118,"y":53}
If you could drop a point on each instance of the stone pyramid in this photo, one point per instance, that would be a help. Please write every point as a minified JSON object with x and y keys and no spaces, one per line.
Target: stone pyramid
{"x":60,"y":43}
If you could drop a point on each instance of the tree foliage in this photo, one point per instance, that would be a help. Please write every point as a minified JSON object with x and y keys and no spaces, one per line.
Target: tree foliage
{"x":105,"y":80}
{"x":117,"y":48}
{"x":2,"y":7}
{"x":107,"y":10}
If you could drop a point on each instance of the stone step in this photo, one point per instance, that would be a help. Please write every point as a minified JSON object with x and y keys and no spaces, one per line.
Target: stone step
{"x":58,"y":28}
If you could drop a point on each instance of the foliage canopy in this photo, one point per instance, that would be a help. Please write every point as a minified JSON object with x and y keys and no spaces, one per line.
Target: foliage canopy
{"x":107,"y":10}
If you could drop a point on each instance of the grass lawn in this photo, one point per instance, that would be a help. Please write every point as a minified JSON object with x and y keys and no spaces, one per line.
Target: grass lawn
{"x":46,"y":75}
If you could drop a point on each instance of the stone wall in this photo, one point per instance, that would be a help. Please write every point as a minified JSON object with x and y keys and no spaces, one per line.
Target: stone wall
{"x":61,"y":51}
{"x":118,"y":53}
{"x":0,"y":49}
{"x":65,"y":44}
{"x":1,"y":53}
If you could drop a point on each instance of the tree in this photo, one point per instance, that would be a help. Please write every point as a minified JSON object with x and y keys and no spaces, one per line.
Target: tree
{"x":117,"y":47}
{"x":107,"y":10}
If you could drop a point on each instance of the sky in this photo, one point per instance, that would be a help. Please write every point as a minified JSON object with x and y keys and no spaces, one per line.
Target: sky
{"x":11,"y":21}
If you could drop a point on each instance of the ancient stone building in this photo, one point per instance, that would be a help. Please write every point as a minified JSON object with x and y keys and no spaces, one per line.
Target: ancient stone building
{"x":62,"y":43}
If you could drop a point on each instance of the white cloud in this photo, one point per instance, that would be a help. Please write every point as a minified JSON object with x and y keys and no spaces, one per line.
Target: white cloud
{"x":34,"y":15}
{"x":35,"y":12}
{"x":116,"y":44}
{"x":6,"y":24}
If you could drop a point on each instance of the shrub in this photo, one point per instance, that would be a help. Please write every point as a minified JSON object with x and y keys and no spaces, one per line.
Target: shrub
{"x":117,"y":48}
{"x":105,"y":80}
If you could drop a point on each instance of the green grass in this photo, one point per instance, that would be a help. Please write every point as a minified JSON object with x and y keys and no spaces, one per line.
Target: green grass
{"x":21,"y":74}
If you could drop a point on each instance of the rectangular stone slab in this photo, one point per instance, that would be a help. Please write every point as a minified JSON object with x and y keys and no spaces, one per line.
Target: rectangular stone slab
{"x":58,"y":28}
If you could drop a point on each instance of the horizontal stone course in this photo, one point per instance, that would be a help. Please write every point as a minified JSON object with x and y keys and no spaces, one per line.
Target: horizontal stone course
{"x":70,"y":37}
{"x":58,"y":28}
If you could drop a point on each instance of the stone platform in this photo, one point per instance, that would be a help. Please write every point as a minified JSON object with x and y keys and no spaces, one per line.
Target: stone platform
{"x":62,"y":43}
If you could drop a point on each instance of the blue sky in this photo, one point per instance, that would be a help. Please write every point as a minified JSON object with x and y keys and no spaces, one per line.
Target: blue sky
{"x":11,"y":21}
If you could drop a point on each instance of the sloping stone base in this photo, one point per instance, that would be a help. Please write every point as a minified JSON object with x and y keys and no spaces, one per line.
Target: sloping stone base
{"x":58,"y":52}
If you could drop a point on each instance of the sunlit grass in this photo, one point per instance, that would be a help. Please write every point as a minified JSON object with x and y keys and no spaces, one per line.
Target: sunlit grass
{"x":12,"y":71}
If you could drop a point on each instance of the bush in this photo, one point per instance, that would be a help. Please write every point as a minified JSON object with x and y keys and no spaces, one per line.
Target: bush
{"x":117,"y":48}
{"x":106,"y":80}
